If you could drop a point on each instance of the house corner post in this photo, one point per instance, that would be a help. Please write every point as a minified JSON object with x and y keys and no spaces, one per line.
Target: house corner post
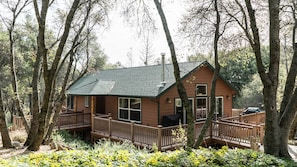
{"x":159,"y":137}
{"x":92,"y":113}
{"x":92,"y":122}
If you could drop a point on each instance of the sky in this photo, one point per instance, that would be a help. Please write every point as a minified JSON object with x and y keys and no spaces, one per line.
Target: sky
{"x":121,"y":38}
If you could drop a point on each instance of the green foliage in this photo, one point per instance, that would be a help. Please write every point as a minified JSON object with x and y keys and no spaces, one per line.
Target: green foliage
{"x":107,"y":153}
{"x":239,"y":65}
{"x":251,"y":94}
{"x":65,"y":138}
{"x":180,"y":135}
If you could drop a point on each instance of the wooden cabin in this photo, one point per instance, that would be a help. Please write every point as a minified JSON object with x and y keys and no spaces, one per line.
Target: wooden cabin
{"x":148,"y":95}
{"x":142,"y":105}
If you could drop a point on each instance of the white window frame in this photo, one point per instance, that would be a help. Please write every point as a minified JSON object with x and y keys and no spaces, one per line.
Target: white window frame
{"x":197,"y":90}
{"x":87,"y":101}
{"x":129,"y":109}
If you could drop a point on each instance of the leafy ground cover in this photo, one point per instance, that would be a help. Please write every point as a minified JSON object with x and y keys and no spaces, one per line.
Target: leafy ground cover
{"x":109,"y":154}
{"x":106,"y":153}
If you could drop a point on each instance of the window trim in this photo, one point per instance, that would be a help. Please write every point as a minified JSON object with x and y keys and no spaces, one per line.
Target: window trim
{"x":129,"y":109}
{"x":199,"y":95}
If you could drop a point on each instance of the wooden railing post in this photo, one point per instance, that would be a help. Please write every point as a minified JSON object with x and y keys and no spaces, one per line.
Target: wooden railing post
{"x":132,"y":131}
{"x":92,"y":122}
{"x":159,"y":137}
{"x":261,"y":134}
{"x":109,"y":126}
{"x":211,"y":126}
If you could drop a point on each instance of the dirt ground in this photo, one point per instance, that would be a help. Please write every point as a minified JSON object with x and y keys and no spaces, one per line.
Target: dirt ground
{"x":18,"y":138}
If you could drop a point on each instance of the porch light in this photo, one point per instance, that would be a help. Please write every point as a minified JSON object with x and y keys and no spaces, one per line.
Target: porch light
{"x":168,"y":100}
{"x":228,"y":97}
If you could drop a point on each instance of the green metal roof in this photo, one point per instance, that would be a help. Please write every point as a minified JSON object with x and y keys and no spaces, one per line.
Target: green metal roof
{"x":135,"y":81}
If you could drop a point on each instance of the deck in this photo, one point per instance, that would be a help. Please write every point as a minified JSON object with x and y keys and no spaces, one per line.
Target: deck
{"x":227,"y":132}
{"x":240,"y":131}
{"x":73,"y":121}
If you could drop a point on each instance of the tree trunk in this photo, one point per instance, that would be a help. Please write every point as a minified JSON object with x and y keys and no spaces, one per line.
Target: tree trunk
{"x":35,"y":100}
{"x":3,"y":127}
{"x":14,"y":81}
{"x":180,"y":87}
{"x":277,"y":123}
{"x":49,"y":75}
{"x":214,"y":79}
{"x":293,"y":129}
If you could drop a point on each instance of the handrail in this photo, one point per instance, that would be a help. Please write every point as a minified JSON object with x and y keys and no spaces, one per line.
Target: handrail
{"x":139,"y":134}
{"x":73,"y":119}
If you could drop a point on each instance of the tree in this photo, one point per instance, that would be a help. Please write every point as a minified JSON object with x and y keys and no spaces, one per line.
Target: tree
{"x":3,"y":127}
{"x":180,"y":87}
{"x":147,"y":54}
{"x":53,"y":57}
{"x":15,"y":10}
{"x":210,"y":115}
{"x":278,"y":122}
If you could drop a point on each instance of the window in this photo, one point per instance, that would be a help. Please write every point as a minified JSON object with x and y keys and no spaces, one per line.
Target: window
{"x":201,"y":90}
{"x":87,"y":101}
{"x":130,"y":109}
{"x":201,"y":108}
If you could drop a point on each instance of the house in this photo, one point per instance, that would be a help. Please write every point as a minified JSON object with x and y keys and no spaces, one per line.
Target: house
{"x":148,"y":95}
{"x":142,"y":105}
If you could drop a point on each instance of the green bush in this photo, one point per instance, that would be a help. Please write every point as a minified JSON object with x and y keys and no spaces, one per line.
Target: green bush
{"x":109,"y":154}
{"x":65,"y":138}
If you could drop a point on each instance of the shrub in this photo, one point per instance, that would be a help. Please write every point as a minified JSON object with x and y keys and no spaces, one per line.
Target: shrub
{"x":65,"y":138}
{"x":106,"y":153}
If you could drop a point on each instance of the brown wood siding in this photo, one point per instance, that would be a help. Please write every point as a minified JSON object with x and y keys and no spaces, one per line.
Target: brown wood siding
{"x":200,"y":76}
{"x":149,"y":111}
{"x":111,"y":106}
{"x":80,"y":104}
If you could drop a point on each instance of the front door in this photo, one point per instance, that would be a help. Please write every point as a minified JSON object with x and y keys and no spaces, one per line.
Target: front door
{"x":180,"y":110}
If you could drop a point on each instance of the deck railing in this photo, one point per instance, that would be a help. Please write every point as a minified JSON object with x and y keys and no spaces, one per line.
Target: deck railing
{"x":147,"y":136}
{"x":255,"y":118}
{"x":73,"y":119}
{"x":238,"y":133}
{"x":141,"y":135}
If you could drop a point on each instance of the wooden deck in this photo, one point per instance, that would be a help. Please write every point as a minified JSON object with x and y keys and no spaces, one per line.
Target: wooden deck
{"x":232,"y":133}
{"x":241,"y":131}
